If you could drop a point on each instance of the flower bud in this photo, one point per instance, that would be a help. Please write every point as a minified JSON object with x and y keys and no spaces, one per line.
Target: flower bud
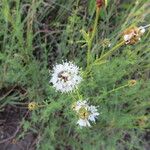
{"x":32,"y":106}
{"x":99,"y":3}
{"x":132,"y":82}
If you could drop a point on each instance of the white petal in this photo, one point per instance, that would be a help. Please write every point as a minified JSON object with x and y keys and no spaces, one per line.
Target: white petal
{"x":83,"y":123}
{"x":91,"y":118}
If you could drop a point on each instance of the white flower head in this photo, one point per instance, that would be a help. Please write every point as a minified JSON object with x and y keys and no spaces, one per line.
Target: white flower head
{"x":86,"y":113}
{"x":65,"y":77}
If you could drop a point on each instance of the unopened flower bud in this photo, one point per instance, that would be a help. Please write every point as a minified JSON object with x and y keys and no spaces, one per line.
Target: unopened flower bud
{"x":99,"y":3}
{"x":32,"y":106}
{"x":132,"y":82}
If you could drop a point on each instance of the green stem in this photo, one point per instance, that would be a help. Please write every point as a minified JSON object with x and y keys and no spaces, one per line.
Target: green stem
{"x":89,"y":66}
{"x":78,"y":94}
{"x":95,"y":25}
{"x":92,"y":37}
{"x":110,"y":52}
{"x":121,"y":87}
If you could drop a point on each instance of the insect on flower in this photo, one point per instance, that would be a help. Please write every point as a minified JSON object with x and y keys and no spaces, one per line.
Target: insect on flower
{"x":85,"y":112}
{"x":65,"y":77}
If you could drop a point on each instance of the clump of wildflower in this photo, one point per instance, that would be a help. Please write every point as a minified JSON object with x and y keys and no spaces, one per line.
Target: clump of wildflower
{"x":85,"y":112}
{"x":65,"y":77}
{"x":133,"y":34}
{"x":132,"y":82}
{"x":32,"y":106}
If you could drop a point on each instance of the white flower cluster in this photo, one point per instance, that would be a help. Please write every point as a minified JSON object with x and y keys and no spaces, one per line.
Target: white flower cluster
{"x":65,"y":77}
{"x":85,"y":113}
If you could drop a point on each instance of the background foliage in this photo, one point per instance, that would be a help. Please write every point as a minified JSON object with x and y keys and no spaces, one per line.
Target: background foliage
{"x":34,"y":35}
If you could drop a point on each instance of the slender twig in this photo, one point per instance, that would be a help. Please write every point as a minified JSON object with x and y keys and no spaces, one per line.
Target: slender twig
{"x":8,"y":93}
{"x":11,"y":137}
{"x":147,"y":26}
{"x":15,"y":133}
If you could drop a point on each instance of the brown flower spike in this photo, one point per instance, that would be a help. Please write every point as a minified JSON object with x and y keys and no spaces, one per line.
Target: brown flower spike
{"x":132,"y":35}
{"x":99,"y":3}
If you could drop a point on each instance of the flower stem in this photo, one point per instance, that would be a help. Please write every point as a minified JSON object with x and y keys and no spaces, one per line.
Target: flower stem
{"x":92,"y":37}
{"x":102,"y":60}
{"x":110,"y":52}
{"x":121,"y":87}
{"x":147,"y":26}
{"x":78,"y":94}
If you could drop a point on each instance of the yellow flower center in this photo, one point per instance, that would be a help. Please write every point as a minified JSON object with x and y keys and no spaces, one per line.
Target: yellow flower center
{"x":83,"y":113}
